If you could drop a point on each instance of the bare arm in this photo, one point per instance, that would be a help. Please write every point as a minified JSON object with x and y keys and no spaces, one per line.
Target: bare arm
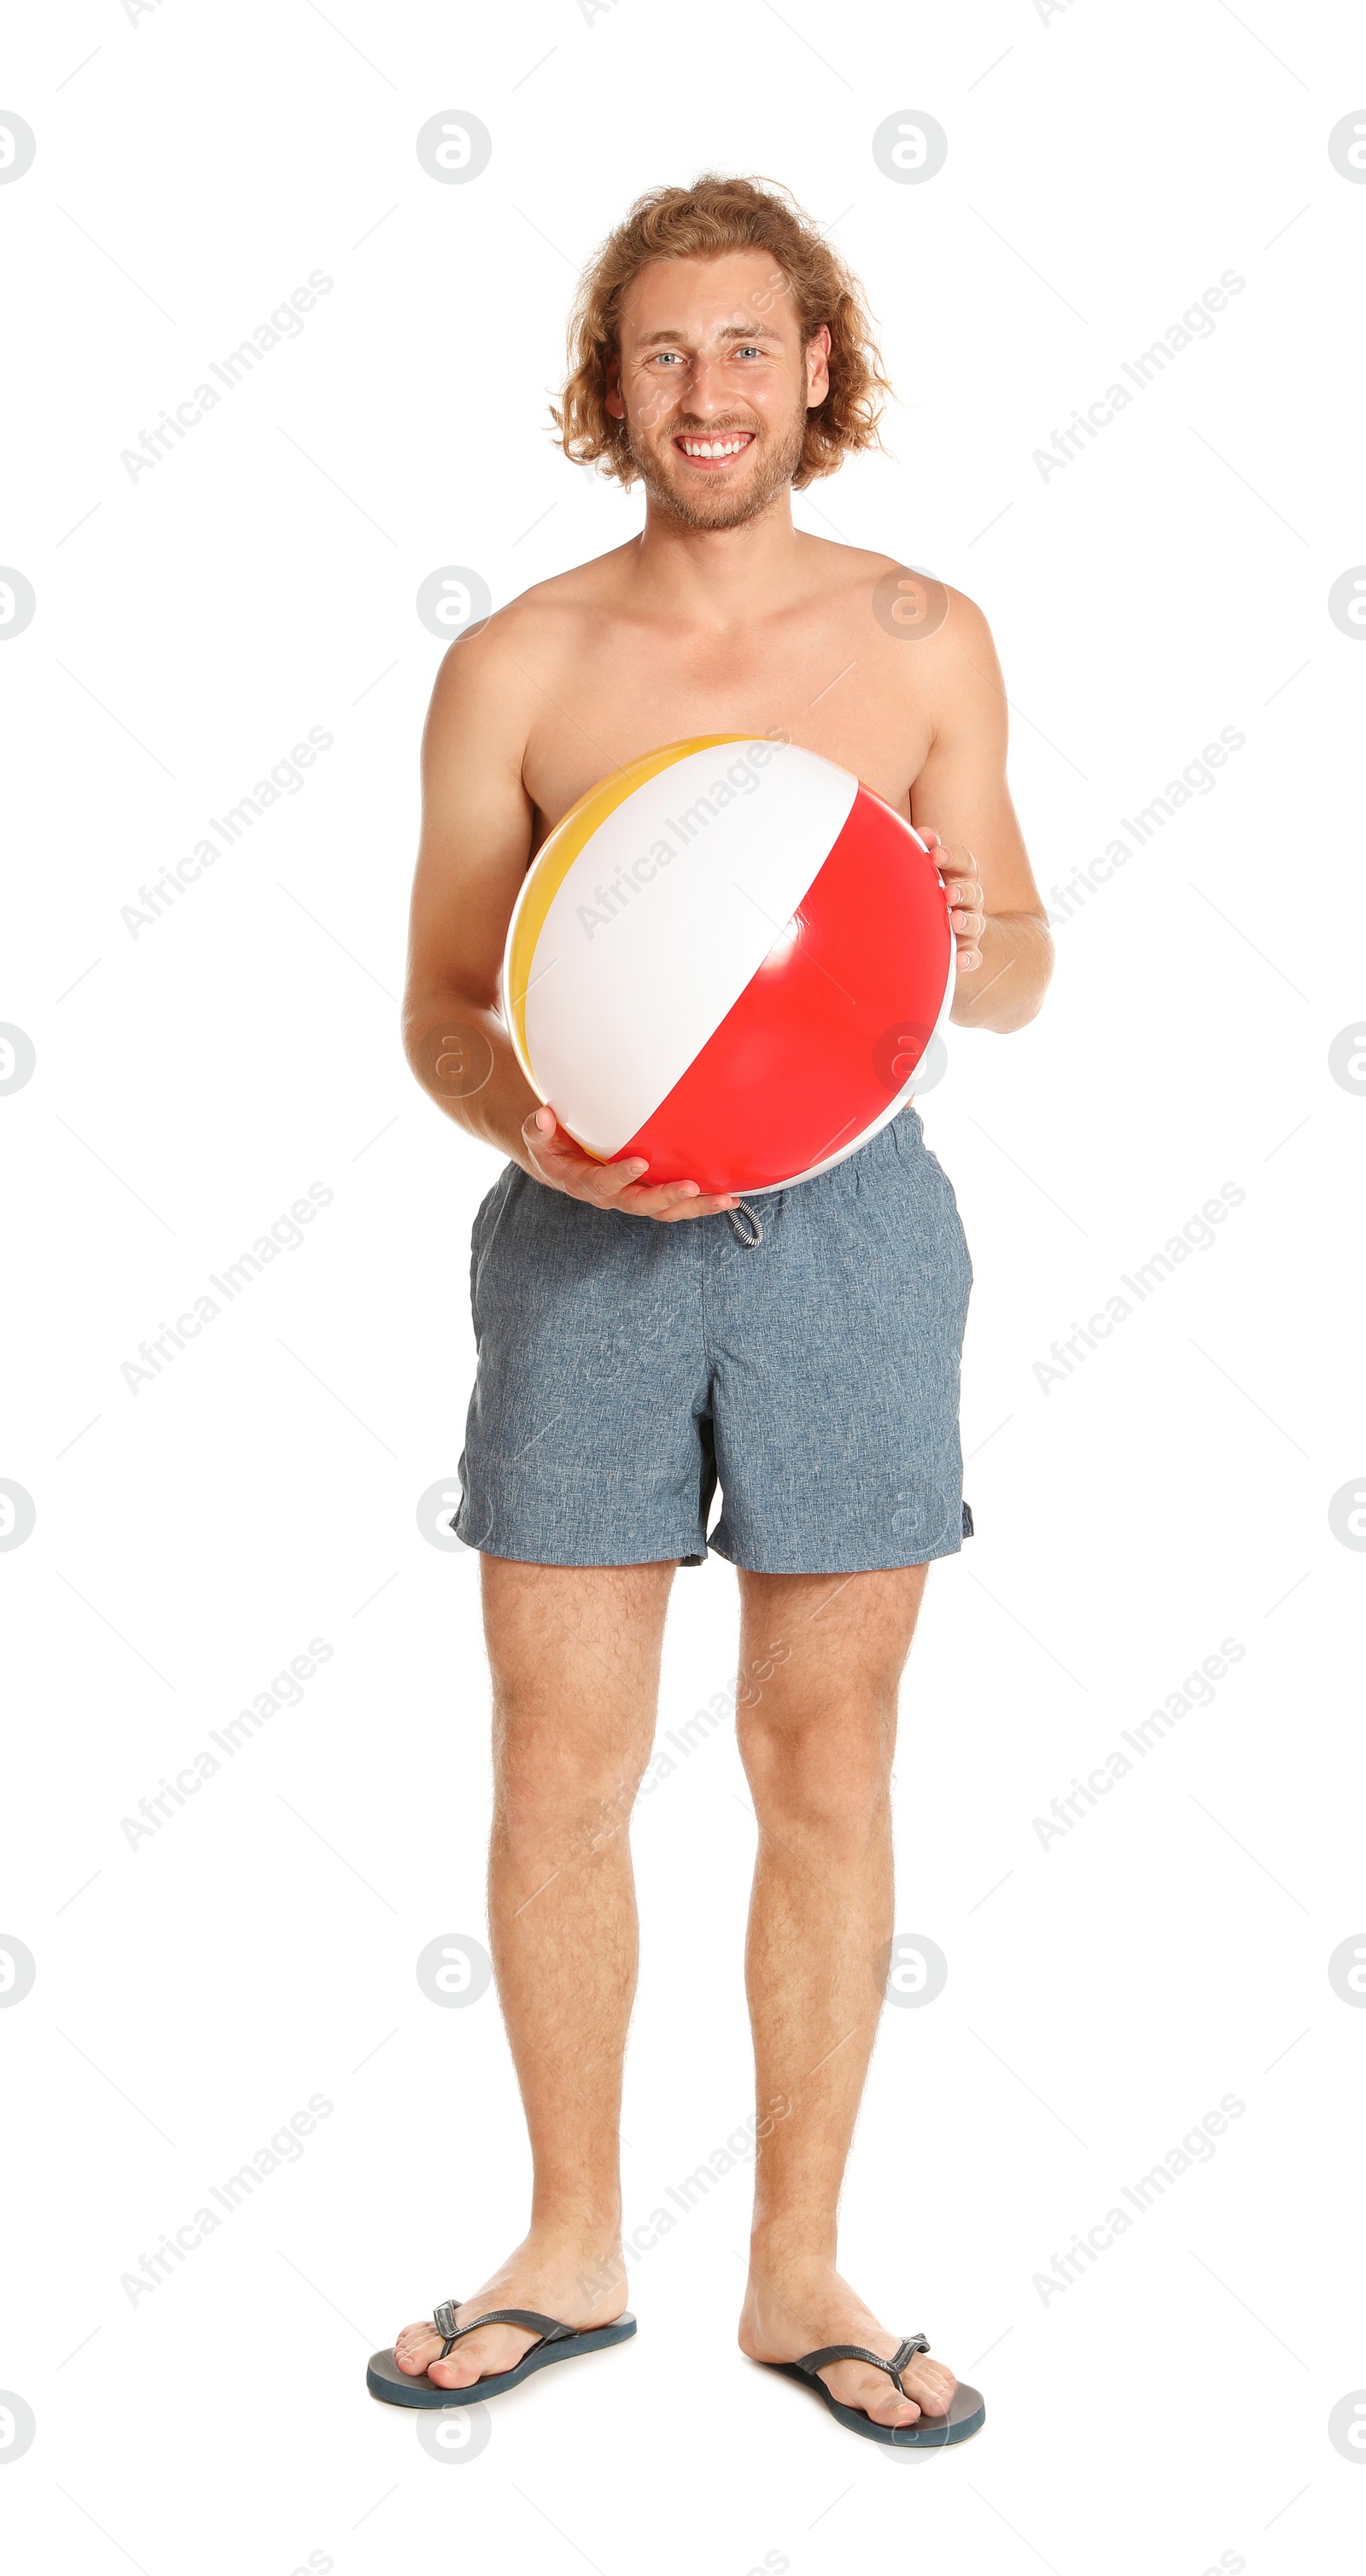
{"x":478,"y":823}
{"x":960,"y":804}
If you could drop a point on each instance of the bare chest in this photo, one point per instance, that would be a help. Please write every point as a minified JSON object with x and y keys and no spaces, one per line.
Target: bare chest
{"x":824,"y":681}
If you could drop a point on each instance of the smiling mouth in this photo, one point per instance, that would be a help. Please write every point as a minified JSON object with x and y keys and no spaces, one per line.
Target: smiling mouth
{"x":714,"y":453}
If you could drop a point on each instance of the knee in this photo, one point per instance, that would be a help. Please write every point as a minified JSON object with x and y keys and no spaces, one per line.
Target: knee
{"x":563,"y":1799}
{"x":830,"y":1773}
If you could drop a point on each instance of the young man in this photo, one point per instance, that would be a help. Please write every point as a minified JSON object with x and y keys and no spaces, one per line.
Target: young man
{"x":632,"y":1341}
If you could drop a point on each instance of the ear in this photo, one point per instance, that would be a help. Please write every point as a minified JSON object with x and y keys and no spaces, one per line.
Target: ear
{"x":612,"y":400}
{"x":818,"y":367}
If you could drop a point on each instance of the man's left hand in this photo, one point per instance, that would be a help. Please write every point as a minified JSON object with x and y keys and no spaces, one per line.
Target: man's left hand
{"x":963,"y":886}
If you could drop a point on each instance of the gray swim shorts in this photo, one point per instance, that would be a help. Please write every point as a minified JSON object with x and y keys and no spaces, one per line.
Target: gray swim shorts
{"x":803,"y":1352}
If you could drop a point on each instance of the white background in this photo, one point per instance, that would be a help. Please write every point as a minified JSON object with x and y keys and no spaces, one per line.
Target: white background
{"x":1170,"y":2409}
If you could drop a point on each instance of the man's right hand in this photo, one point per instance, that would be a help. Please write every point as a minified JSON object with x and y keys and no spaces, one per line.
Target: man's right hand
{"x":553,"y":1157}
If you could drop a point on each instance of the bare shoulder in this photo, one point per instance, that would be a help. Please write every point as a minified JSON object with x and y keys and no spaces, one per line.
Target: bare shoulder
{"x":488,"y":672}
{"x":932,"y":641}
{"x":912,"y":605}
{"x":903,"y":603}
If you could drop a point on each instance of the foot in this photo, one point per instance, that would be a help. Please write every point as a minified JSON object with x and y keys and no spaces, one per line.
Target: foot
{"x":580,"y":2281}
{"x":794,"y":2305}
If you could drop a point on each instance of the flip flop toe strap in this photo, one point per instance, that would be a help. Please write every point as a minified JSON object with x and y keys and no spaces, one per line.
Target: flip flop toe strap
{"x":547,"y":2329}
{"x":814,"y":2361}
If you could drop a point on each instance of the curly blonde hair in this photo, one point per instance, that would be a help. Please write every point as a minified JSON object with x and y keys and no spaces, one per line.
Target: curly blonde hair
{"x":701,"y":222}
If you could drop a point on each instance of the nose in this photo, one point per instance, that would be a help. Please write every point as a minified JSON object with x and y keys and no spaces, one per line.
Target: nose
{"x":705,"y":391}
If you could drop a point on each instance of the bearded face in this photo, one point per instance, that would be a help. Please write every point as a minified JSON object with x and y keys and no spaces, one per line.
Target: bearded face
{"x":717,"y":474}
{"x":713,"y":384}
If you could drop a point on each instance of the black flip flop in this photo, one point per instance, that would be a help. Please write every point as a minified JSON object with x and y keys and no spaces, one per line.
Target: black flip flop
{"x":558,"y":2342}
{"x":967,"y":2409}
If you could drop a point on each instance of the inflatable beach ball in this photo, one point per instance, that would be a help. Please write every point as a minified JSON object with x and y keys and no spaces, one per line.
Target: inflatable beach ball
{"x":729,"y":957}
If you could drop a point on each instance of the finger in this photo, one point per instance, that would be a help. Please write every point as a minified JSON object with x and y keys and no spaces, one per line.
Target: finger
{"x":539,"y":1137}
{"x":611,"y":1185}
{"x":673,"y":1198}
{"x":654,"y":1196}
{"x":668,"y":1200}
{"x":656,"y":1193}
{"x":697,"y":1207}
{"x":608,"y":1186}
{"x":566,"y":1166}
{"x":609,"y":1182}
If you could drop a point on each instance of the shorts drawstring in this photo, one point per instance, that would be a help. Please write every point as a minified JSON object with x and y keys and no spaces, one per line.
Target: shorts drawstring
{"x":752,"y":1241}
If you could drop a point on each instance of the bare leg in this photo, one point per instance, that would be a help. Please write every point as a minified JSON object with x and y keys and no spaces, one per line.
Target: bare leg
{"x":575,"y":1660}
{"x":817,"y":1735}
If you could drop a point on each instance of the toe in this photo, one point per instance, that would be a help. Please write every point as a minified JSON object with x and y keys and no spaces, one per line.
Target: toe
{"x":931,"y":2385}
{"x":882,"y":2403}
{"x":872,"y":2391}
{"x":415,"y":2347}
{"x":481,"y":2356}
{"x":466,"y":2361}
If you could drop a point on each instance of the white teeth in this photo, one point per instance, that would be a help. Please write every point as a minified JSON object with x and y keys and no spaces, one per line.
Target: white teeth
{"x":713,"y":446}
